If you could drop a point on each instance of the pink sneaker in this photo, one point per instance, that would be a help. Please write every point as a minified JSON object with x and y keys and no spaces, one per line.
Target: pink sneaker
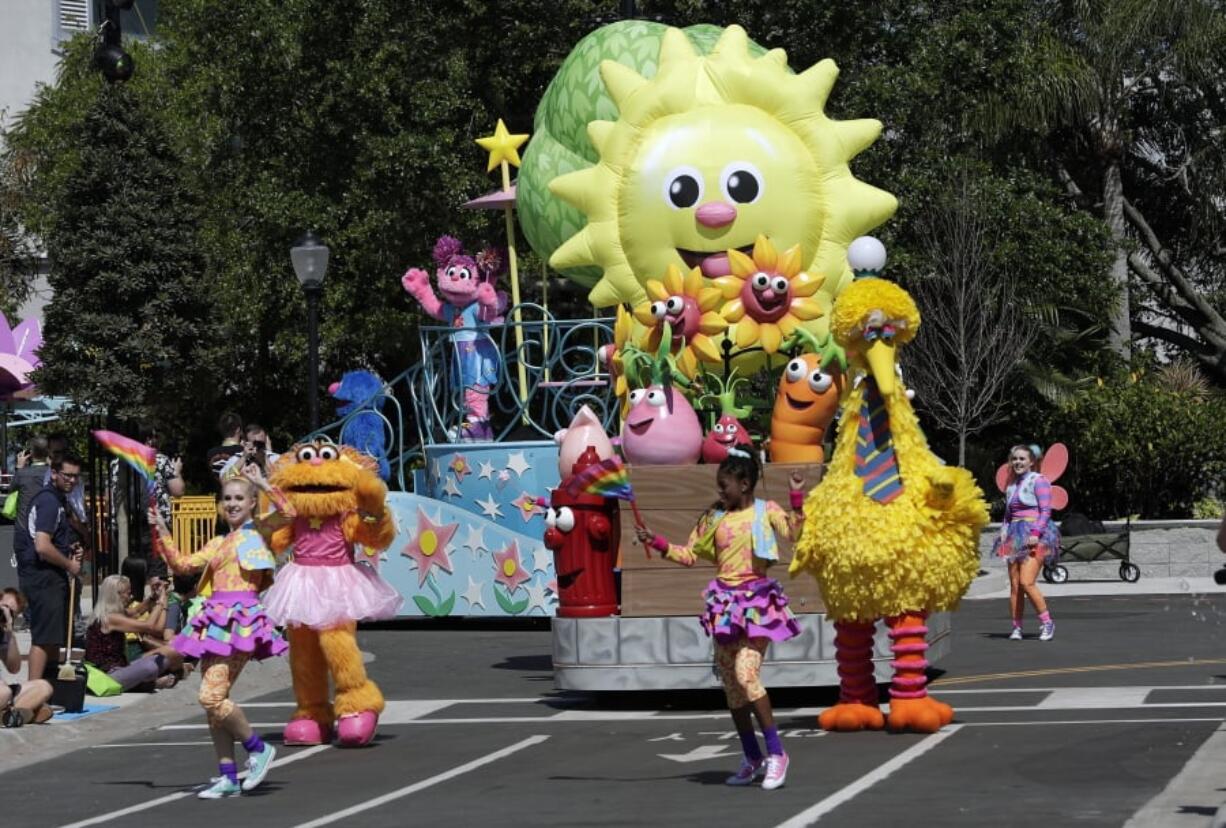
{"x":357,"y":729}
{"x":306,"y":732}
{"x":748,"y":771}
{"x":776,"y":772}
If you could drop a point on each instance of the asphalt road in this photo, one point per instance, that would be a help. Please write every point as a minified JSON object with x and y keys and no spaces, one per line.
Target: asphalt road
{"x":1085,"y":729}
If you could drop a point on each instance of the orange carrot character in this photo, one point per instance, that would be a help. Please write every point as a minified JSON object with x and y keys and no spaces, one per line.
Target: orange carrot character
{"x":808,"y":397}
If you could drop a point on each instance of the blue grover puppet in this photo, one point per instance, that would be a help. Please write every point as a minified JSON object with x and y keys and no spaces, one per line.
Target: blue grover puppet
{"x":362,"y":391}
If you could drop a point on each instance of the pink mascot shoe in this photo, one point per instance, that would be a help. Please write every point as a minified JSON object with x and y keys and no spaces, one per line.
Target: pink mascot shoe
{"x":306,"y":732}
{"x":357,"y":729}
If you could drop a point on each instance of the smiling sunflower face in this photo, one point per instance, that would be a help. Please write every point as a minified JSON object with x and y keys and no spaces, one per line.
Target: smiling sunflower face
{"x":687,"y":306}
{"x":707,"y":156}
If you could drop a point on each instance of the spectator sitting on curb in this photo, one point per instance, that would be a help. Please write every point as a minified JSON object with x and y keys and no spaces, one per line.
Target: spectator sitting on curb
{"x":104,"y":640}
{"x":20,"y":704}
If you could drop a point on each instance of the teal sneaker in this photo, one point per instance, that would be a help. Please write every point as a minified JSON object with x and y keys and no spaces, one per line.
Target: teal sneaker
{"x":257,"y":767}
{"x":222,"y":788}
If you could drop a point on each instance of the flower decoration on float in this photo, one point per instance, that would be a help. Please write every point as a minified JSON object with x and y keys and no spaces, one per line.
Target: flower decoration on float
{"x":769,"y":295}
{"x":689,"y":307}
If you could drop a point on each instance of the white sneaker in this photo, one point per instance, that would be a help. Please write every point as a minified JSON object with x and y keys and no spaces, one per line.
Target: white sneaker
{"x":1048,"y":631}
{"x":222,"y":788}
{"x":1016,"y":635}
{"x":747,"y":772}
{"x":776,"y":772}
{"x":258,"y":765}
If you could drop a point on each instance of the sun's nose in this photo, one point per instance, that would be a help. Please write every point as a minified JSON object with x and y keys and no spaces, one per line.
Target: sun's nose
{"x":715,"y":214}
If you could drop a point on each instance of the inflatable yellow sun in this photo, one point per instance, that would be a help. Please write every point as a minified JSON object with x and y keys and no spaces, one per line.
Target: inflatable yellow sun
{"x":708,"y":155}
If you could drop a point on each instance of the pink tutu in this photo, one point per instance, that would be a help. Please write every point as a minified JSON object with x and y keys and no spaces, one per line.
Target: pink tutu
{"x":321,"y":597}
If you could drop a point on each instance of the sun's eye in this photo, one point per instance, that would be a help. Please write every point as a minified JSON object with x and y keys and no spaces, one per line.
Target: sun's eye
{"x":674,"y":305}
{"x":741,"y":182}
{"x":719,"y":428}
{"x":658,"y":310}
{"x":329,"y":453}
{"x":565,"y":520}
{"x":820,"y":382}
{"x":683,"y":187}
{"x":655,"y":397}
{"x":780,"y":285}
{"x":636,"y":396}
{"x":306,"y":454}
{"x":760,"y":282}
{"x":795,"y":370}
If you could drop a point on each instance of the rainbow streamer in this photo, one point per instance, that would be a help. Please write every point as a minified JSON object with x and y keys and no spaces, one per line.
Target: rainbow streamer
{"x":609,"y":478}
{"x":139,"y":456}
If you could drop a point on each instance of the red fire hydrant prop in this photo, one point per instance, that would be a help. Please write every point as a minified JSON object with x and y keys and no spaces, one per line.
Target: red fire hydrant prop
{"x":584,"y":535}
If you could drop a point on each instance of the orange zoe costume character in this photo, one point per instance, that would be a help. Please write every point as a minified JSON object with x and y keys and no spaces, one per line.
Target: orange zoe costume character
{"x":323,"y":592}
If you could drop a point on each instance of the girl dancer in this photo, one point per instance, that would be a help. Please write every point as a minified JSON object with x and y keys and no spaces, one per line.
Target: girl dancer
{"x":745,"y":610}
{"x":1027,"y":537}
{"x":232,"y":627}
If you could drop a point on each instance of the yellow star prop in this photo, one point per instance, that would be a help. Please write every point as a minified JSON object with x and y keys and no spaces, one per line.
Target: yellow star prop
{"x":502,"y":146}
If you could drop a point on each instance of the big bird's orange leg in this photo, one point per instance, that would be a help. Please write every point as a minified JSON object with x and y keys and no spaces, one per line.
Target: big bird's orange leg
{"x":311,"y":723}
{"x":358,"y":699}
{"x":857,"y":708}
{"x":911,"y":708}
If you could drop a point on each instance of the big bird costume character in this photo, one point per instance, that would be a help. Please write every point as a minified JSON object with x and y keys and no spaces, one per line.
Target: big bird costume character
{"x":321,"y":594}
{"x":890,"y":532}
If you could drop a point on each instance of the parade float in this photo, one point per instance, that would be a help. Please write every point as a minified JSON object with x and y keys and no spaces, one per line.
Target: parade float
{"x":692,"y":183}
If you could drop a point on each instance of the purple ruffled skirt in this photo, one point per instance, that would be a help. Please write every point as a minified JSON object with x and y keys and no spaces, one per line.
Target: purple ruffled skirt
{"x":756,"y":609}
{"x":1011,"y":545}
{"x":230,"y":623}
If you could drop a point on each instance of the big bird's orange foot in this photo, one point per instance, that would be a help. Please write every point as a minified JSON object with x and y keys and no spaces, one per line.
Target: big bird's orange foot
{"x":848,"y":717}
{"x":926,"y":715}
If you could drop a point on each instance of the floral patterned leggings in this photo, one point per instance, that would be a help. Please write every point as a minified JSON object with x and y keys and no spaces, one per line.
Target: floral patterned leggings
{"x":217,"y":676}
{"x":740,"y":666}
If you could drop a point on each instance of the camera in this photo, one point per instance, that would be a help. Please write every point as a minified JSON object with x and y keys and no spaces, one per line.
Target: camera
{"x":1219,"y":577}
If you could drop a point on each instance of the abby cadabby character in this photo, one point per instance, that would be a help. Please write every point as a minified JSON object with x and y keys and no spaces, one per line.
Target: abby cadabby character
{"x":466,"y":298}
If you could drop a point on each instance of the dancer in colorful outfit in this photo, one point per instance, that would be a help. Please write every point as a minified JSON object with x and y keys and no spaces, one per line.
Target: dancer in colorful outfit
{"x":745,"y":610}
{"x":232,"y":627}
{"x":1027,"y":538}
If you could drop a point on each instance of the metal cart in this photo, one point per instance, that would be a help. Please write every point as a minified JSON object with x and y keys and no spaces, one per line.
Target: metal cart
{"x":1095,"y":547}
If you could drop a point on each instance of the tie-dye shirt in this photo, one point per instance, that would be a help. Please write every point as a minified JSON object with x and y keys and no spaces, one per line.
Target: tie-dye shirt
{"x":732,"y":550}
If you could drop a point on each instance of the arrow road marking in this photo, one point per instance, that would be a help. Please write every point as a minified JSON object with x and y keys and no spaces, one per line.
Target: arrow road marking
{"x":700,"y":754}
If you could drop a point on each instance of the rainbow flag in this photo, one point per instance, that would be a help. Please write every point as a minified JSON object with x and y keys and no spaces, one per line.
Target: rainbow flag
{"x":139,"y":456}
{"x":609,"y":478}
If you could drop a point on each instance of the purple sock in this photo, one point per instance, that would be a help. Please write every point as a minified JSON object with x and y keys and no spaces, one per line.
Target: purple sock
{"x":774,"y":745}
{"x":229,"y":769}
{"x":749,"y":744}
{"x":253,"y":743}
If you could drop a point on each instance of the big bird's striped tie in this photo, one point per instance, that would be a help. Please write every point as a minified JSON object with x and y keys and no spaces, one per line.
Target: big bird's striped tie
{"x":876,"y":464}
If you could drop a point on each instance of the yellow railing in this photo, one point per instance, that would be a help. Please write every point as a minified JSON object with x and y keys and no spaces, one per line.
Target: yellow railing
{"x":193,"y":521}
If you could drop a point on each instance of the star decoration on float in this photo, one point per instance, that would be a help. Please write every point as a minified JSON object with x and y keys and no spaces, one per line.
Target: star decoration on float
{"x":472,"y":594}
{"x":770,"y":295}
{"x":510,"y":571}
{"x":502,"y":146}
{"x":428,"y":548}
{"x":490,"y":507}
{"x":459,"y":465}
{"x":474,"y":539}
{"x":486,"y":470}
{"x":517,"y":463}
{"x":527,"y":506}
{"x":450,"y":488}
{"x":542,"y":559}
{"x":537,"y":598}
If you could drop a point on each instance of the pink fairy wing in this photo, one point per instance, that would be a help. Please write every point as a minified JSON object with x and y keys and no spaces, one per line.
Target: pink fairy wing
{"x":1002,"y":477}
{"x":1054,"y":462}
{"x":1059,"y":498}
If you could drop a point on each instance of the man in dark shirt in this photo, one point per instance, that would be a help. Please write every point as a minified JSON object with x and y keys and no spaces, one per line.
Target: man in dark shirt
{"x":28,"y":480}
{"x":50,"y":559}
{"x":230,"y":427}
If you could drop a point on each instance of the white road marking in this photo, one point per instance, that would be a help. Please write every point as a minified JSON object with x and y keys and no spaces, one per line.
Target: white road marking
{"x":813,"y":814}
{"x":1192,"y":791}
{"x":174,"y":797}
{"x":700,"y":754}
{"x":336,"y":816}
{"x":147,"y":744}
{"x":1079,"y":699}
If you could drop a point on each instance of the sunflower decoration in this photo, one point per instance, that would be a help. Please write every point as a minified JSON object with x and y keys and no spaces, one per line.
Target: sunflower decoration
{"x":614,"y":356}
{"x":770,"y":296}
{"x":688,"y":307}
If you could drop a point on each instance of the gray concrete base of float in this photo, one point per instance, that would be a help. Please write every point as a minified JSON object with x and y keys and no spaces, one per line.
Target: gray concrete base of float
{"x":673,"y":653}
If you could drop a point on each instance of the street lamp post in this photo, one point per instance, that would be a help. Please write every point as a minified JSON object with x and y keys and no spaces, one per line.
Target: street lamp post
{"x":310,"y":257}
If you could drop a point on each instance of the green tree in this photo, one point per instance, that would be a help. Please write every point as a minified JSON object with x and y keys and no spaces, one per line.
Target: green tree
{"x":128,"y":328}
